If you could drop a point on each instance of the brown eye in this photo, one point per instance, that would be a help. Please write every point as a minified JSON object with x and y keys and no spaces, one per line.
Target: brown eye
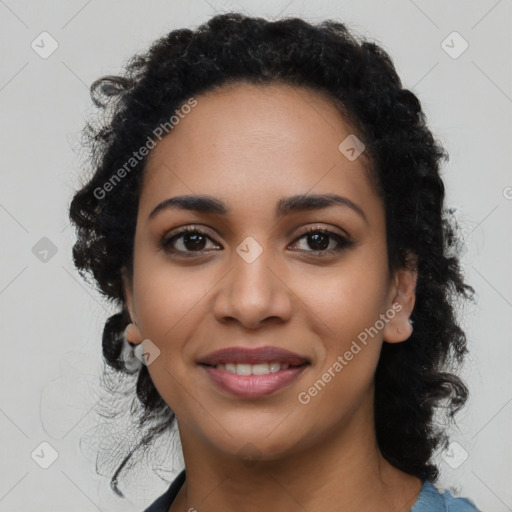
{"x":188,"y":240}
{"x":324,"y":242}
{"x":318,"y":241}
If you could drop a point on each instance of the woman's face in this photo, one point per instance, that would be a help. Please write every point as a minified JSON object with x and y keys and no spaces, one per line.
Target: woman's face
{"x":253,"y":277}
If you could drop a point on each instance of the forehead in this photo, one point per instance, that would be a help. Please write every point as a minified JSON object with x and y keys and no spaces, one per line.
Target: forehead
{"x":248,"y":142}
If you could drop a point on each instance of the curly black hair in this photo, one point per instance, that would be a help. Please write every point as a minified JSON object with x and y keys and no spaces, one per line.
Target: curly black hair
{"x":414,"y":379}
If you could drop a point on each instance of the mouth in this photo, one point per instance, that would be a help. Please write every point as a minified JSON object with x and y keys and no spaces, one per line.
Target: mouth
{"x":265,"y":368}
{"x":254,"y":356}
{"x":255,"y":372}
{"x":253,"y":385}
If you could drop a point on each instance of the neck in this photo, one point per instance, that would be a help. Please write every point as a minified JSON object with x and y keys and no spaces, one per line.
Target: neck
{"x":342,"y":470}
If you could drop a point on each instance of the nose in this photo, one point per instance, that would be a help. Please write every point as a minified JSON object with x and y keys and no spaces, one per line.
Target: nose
{"x":253,"y":293}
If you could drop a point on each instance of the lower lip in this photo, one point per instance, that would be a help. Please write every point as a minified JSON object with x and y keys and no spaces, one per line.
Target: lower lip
{"x":253,"y":386}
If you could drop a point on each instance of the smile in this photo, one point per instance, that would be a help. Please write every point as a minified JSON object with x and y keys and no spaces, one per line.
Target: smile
{"x":252,"y":369}
{"x":253,"y":385}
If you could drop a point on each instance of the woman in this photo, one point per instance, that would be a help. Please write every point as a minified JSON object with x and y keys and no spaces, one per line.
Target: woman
{"x":267,"y":212}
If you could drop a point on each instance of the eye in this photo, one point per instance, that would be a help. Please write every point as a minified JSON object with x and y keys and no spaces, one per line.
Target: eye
{"x":188,"y":240}
{"x":192,"y":241}
{"x":321,"y":239}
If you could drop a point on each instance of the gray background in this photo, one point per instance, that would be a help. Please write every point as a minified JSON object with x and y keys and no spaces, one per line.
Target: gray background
{"x":51,"y":321}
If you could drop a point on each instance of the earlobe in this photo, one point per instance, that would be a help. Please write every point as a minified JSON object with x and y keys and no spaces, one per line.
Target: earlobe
{"x":400,"y":328}
{"x":132,"y":334}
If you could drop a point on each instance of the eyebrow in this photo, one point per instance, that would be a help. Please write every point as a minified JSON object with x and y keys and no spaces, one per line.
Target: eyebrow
{"x":285,"y":206}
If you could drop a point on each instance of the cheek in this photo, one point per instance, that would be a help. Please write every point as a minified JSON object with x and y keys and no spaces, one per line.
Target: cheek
{"x":164,"y":293}
{"x":348,"y":352}
{"x":167,"y":302}
{"x":346,"y":300}
{"x":346,"y":304}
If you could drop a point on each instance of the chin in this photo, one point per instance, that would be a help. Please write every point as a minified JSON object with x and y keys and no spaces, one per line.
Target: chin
{"x":257,"y":442}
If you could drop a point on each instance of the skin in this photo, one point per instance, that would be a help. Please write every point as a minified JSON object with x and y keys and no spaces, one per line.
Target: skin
{"x":249,"y":146}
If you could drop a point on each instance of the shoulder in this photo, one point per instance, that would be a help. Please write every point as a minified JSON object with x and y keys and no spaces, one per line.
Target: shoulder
{"x":163,"y":502}
{"x":432,"y":499}
{"x":460,"y":504}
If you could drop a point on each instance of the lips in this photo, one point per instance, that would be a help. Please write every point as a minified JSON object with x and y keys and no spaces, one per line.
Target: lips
{"x":243,"y":355}
{"x":253,"y":386}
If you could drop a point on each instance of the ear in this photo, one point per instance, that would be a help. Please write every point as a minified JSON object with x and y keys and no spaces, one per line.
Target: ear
{"x":132,"y":332}
{"x":402,"y":298}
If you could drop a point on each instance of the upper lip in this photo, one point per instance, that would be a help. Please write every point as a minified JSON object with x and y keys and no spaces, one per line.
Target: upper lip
{"x":266,"y":354}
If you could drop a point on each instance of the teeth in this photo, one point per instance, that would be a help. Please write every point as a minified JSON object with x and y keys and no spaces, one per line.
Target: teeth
{"x":260,"y":369}
{"x":275,"y":367}
{"x":230,"y":367}
{"x":253,"y":369}
{"x":243,"y":369}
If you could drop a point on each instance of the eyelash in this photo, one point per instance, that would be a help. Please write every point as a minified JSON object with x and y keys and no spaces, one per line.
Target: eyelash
{"x":343,"y":242}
